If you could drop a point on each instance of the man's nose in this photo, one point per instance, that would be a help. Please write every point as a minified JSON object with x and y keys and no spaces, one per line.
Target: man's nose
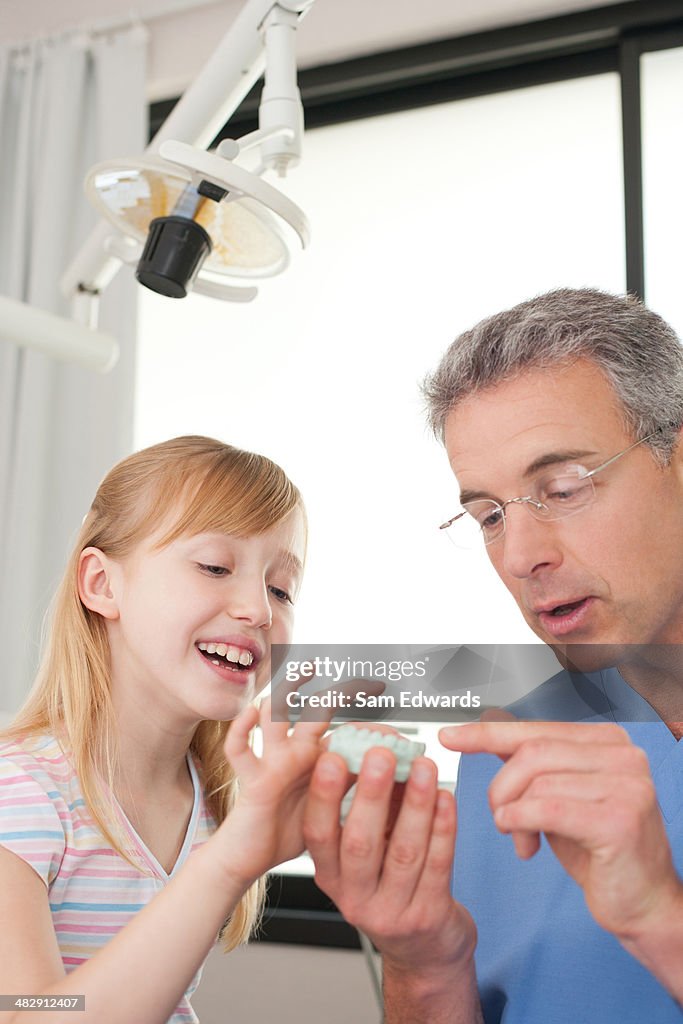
{"x":529,"y":543}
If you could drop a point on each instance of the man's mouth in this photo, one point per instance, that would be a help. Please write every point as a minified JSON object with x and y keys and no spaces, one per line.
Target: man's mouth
{"x":562,"y":618}
{"x":564,"y":609}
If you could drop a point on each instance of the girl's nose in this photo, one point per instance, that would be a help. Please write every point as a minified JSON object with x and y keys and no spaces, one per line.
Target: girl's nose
{"x":249,"y":603}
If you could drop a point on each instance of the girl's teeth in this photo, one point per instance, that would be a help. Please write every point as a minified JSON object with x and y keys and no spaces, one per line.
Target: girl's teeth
{"x":233,"y":654}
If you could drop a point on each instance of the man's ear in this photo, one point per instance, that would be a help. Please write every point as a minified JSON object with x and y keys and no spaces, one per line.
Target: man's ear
{"x":95,"y":572}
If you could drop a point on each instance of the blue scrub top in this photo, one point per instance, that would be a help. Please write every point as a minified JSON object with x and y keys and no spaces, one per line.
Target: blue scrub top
{"x":541,"y":958}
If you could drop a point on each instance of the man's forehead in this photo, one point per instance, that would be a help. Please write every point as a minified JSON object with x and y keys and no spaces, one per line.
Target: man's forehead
{"x":511,"y":425}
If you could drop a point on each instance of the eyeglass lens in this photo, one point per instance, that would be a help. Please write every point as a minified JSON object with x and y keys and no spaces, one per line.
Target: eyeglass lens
{"x":552,"y":496}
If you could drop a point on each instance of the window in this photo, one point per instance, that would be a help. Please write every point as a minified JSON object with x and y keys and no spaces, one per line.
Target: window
{"x":662,"y":88}
{"x":422,"y":223}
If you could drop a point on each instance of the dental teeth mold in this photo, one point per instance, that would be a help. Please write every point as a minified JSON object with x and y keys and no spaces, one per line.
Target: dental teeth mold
{"x":351,"y":743}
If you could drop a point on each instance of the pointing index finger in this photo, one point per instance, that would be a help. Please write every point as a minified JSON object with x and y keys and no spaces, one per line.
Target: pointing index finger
{"x":504,"y":738}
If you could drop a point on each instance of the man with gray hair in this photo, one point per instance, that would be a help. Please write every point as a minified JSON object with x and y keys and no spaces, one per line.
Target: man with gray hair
{"x":561,"y":419}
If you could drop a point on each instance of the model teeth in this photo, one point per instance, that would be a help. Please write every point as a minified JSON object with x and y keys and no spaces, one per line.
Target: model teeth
{"x":352,"y":744}
{"x":230,"y":653}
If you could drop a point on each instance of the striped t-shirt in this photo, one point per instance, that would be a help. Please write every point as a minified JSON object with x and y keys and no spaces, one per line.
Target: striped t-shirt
{"x":93,"y":891}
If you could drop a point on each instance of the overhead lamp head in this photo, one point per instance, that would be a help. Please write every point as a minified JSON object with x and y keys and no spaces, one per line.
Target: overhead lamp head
{"x":174,"y":252}
{"x":191,"y":228}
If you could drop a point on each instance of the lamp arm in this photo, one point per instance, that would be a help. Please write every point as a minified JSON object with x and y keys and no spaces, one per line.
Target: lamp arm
{"x":56,"y":336}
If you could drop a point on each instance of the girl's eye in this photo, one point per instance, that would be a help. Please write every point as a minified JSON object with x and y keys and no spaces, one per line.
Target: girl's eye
{"x":214,"y":570}
{"x":281,"y":595}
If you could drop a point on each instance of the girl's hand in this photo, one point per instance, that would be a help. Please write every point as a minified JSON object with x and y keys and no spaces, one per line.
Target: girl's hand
{"x":264,"y":828}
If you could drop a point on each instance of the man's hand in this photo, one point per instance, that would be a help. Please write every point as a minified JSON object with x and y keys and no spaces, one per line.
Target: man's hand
{"x":391,"y":879}
{"x":588,"y":788}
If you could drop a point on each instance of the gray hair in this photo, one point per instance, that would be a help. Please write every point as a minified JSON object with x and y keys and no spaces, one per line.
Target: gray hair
{"x":638,"y":352}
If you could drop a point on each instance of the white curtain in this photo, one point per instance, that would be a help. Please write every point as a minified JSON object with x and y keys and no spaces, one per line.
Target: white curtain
{"x":64,"y":104}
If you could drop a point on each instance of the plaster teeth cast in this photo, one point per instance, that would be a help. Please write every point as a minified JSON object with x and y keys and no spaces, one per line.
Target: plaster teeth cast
{"x":351,"y":743}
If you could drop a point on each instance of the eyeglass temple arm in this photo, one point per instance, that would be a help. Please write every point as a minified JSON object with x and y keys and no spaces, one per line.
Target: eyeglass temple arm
{"x":614,"y":458}
{"x":449,"y":522}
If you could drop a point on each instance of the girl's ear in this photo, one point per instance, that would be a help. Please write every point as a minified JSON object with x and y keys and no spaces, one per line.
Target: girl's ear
{"x":95,"y":583}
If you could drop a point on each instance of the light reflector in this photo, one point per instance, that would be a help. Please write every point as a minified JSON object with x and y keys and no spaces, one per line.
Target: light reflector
{"x":247,"y":239}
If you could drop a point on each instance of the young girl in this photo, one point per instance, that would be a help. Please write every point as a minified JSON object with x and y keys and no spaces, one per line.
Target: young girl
{"x":125,"y":847}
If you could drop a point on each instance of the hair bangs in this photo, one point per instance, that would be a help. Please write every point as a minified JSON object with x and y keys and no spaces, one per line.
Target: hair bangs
{"x":240,"y":493}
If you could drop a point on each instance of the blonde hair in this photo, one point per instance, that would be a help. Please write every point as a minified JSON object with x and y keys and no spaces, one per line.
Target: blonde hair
{"x":218,"y":489}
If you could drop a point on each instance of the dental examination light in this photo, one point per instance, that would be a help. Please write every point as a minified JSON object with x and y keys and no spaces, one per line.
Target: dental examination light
{"x":207,"y":221}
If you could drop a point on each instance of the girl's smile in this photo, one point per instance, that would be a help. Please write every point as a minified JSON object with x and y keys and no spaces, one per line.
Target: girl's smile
{"x":234,"y":657}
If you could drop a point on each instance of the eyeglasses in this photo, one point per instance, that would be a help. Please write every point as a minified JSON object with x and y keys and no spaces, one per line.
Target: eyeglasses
{"x":555,"y":494}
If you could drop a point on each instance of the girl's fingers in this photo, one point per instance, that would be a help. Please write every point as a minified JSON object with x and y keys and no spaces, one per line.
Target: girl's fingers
{"x":278,"y":731}
{"x":237,"y":748}
{"x":341,"y":696}
{"x":273,"y":732}
{"x":315,"y":714}
{"x":282,"y":693}
{"x":309,"y":732}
